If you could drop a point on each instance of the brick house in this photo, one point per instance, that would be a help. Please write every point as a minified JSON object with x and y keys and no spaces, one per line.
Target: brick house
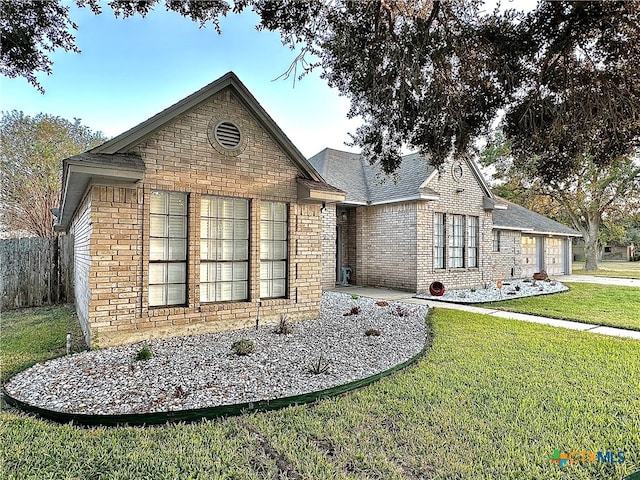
{"x":424,"y":225}
{"x":204,"y":217}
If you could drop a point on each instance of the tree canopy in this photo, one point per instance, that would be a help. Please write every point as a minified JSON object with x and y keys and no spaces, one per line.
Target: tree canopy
{"x":596,"y":199}
{"x":31,"y":153}
{"x":428,"y":75}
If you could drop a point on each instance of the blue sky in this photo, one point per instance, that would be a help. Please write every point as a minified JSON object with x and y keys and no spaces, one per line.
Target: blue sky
{"x":131,"y":69}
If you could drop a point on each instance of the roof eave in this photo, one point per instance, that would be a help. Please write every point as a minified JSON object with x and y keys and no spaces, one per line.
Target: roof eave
{"x":78,"y":178}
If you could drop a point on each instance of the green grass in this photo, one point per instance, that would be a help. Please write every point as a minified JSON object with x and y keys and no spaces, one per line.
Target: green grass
{"x":32,"y":335}
{"x":584,"y":302}
{"x":491,"y":400}
{"x":610,"y":269}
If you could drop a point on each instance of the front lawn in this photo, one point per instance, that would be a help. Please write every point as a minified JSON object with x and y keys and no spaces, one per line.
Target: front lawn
{"x":492,"y":399}
{"x":610,"y":269}
{"x":585,"y":302}
{"x":35,"y":334}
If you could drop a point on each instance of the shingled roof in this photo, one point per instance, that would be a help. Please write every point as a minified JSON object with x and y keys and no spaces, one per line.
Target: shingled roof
{"x":516,"y":217}
{"x":366,"y":184}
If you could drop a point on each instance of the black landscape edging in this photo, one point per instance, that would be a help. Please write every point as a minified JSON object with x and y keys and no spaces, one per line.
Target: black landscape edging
{"x":198,"y":414}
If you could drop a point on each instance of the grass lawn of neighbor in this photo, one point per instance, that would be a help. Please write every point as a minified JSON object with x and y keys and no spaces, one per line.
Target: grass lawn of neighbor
{"x":610,"y":269}
{"x":492,"y":399}
{"x":609,"y":305}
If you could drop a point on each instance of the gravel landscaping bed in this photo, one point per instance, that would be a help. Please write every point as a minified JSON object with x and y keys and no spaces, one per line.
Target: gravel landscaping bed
{"x":202,"y":371}
{"x":509,"y":291}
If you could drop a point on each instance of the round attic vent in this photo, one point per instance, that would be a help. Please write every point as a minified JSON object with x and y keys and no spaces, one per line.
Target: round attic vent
{"x":228,"y":134}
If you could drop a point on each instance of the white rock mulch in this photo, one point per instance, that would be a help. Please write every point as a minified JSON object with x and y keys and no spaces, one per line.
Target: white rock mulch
{"x":509,"y":291}
{"x":202,"y":371}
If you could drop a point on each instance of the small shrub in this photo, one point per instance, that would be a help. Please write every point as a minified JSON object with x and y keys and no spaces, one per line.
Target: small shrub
{"x":319,"y":366}
{"x":472,"y":290}
{"x":284,"y":326}
{"x":353,"y":311}
{"x":145,"y":353}
{"x":372,"y":332}
{"x":243,"y":347}
{"x":354,"y":296}
{"x":382,"y":303}
{"x":399,"y":311}
{"x":517,"y":287}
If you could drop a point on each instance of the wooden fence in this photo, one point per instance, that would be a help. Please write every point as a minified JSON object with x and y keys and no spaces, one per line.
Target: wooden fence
{"x":36,"y":271}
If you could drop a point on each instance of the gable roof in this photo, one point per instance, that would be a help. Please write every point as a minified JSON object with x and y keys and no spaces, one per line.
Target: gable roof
{"x":113,"y":162}
{"x":366,"y":184}
{"x":516,"y":217}
{"x":125,"y":141}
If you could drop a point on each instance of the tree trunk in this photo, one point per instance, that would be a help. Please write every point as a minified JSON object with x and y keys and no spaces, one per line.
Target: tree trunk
{"x":591,"y":244}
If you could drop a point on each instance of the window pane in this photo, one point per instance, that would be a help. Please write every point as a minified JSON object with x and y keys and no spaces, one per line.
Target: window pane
{"x":265,"y":249}
{"x":157,"y":273}
{"x":158,"y":203}
{"x":225,"y":272}
{"x":225,"y":207}
{"x":279,"y":231}
{"x":178,"y":227}
{"x":279,"y":269}
{"x":241,"y":208}
{"x":279,"y":212}
{"x":265,"y":292}
{"x":175,"y":294}
{"x":239,"y":290}
{"x":279,"y":289}
{"x":225,"y":250}
{"x":240,"y":271}
{"x":157,"y":295}
{"x":207,"y":292}
{"x":177,"y":204}
{"x":158,"y":249}
{"x":265,"y":211}
{"x":265,"y":270}
{"x":158,"y":226}
{"x":223,"y":292}
{"x":241,"y":229}
{"x":177,"y":249}
{"x":265,"y":230}
{"x":225,"y":229}
{"x":240,"y":250}
{"x":208,"y":207}
{"x":279,"y":250}
{"x":177,"y":273}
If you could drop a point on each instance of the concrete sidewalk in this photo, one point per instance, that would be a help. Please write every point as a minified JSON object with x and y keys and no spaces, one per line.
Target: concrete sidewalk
{"x":407,"y":297}
{"x":622,"y":282}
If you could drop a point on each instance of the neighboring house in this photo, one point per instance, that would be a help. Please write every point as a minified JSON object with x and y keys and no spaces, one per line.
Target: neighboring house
{"x":204,"y":217}
{"x":425,"y":224}
{"x":612,"y":252}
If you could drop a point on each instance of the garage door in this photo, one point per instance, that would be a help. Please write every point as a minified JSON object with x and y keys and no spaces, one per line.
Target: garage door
{"x":553,"y":256}
{"x":529,"y":256}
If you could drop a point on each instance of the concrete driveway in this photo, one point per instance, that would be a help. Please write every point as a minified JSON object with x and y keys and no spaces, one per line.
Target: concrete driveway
{"x":622,"y":282}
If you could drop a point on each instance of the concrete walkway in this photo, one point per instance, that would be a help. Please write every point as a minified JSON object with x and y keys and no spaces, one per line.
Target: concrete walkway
{"x":407,"y":297}
{"x":622,"y":282}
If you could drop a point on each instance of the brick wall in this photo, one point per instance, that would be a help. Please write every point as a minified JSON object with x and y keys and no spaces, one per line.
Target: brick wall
{"x":81,"y":231}
{"x":329,"y":247}
{"x":181,"y":158}
{"x":386,"y":245}
{"x":507,"y":263}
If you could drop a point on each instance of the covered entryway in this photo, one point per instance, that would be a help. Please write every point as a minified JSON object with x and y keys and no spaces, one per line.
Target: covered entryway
{"x":346,"y":242}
